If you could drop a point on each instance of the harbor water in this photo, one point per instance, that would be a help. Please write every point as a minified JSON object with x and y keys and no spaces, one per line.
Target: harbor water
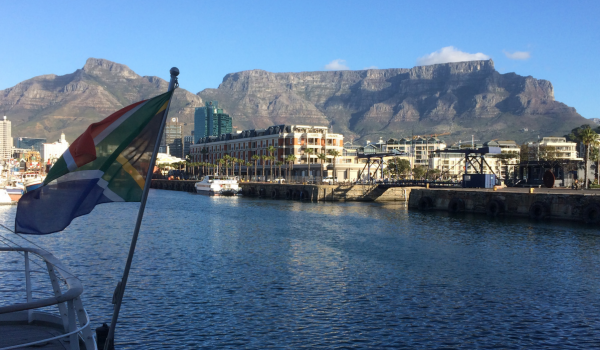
{"x":259,"y":273}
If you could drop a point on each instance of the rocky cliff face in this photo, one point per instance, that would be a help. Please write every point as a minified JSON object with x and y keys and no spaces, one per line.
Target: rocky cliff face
{"x":458,"y":98}
{"x":462,"y":99}
{"x":47,"y":105}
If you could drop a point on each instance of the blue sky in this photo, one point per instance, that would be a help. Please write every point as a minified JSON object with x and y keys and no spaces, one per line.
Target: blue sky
{"x":554,"y":40}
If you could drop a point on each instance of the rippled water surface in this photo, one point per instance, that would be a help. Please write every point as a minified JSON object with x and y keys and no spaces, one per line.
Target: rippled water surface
{"x":250,"y":273}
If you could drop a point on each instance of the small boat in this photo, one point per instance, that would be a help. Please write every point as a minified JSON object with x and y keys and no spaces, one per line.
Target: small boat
{"x":32,"y":182}
{"x":15,"y":192}
{"x":5,"y":198}
{"x":213,"y":185}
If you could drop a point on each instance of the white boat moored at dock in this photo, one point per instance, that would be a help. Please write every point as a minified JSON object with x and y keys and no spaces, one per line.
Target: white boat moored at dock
{"x":213,"y":185}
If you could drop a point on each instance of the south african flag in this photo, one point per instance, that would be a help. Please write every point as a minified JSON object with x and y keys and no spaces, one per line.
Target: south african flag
{"x":109,"y":162}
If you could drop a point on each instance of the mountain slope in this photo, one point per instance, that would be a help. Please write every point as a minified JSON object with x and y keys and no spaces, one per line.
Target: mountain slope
{"x":461,"y":98}
{"x":47,"y":105}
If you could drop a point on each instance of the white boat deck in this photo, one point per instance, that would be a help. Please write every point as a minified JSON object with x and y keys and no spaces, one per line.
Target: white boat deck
{"x":11,"y":335}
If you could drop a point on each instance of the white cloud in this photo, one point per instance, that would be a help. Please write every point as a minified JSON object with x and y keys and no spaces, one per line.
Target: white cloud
{"x":338,"y":64}
{"x":371,"y":67}
{"x":450,"y":54}
{"x":517,"y":55}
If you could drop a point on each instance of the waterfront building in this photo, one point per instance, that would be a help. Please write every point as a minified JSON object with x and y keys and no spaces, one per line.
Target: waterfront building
{"x":53,"y":151}
{"x":419,"y":148}
{"x":287,"y":139}
{"x":29,"y":143}
{"x":563,"y":148}
{"x":6,"y":142}
{"x":187,"y":142}
{"x":211,"y":121}
{"x":171,"y":142}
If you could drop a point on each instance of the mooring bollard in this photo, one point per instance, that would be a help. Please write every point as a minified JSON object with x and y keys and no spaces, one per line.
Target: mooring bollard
{"x":427,"y":185}
{"x":531,"y":190}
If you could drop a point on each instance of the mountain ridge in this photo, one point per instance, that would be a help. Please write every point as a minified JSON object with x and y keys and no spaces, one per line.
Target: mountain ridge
{"x":46,"y":105}
{"x":459,"y":98}
{"x":462,"y":98}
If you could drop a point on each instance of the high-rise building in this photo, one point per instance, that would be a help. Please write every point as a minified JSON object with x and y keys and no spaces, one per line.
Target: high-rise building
{"x":187,"y":142}
{"x":211,"y":121}
{"x":29,"y":143}
{"x":172,"y":138}
{"x":6,"y":142}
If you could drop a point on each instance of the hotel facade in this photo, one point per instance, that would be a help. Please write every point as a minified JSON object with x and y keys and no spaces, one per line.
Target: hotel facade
{"x":286,"y":139}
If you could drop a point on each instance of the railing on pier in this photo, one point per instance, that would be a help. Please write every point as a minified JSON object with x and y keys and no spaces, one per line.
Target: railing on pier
{"x":72,"y":318}
{"x":419,"y":183}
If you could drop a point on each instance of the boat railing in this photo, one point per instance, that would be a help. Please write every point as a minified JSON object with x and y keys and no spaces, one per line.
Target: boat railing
{"x":72,"y":318}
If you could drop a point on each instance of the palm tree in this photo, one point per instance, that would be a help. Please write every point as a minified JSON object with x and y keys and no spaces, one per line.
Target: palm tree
{"x":322,"y":157}
{"x":271,"y":150}
{"x":309,"y":152}
{"x":335,"y":154}
{"x":255,"y":158}
{"x":204,"y":151}
{"x":290,"y":159}
{"x":587,"y":136}
{"x":263,"y":159}
{"x":240,"y":163}
{"x":279,"y":164}
{"x":223,"y":162}
{"x":248,"y":165}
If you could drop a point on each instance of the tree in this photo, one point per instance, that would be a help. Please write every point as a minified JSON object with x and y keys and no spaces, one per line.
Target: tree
{"x":279,"y":164}
{"x":255,"y":158}
{"x":271,"y":158}
{"x":335,"y":154}
{"x":585,"y":135}
{"x":398,"y":166}
{"x":419,"y":172}
{"x":322,"y":157}
{"x":433,"y":174}
{"x":290,"y":159}
{"x":223,"y":162}
{"x":240,"y":163}
{"x":248,"y":165}
{"x":227,"y":159}
{"x":309,"y":152}
{"x":263,"y":159}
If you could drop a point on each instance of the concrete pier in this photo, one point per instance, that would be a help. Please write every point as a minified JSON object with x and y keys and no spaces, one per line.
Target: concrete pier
{"x":541,"y":204}
{"x":331,"y":193}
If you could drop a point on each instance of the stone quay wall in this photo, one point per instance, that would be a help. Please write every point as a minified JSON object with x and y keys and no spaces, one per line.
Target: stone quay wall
{"x":538,"y":205}
{"x":315,"y":193}
{"x":326,"y":193}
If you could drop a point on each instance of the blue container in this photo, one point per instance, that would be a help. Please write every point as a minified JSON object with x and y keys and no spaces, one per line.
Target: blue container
{"x":479,"y":180}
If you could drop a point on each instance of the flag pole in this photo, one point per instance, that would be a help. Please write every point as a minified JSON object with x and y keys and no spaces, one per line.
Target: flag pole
{"x":120,"y":290}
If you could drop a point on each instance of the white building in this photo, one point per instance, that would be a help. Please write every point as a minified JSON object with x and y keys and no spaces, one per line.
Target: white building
{"x":6,"y":141}
{"x":54,"y":150}
{"x":286,"y":139}
{"x":564,"y":149}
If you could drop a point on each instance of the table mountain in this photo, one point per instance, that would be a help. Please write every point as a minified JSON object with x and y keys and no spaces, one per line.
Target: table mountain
{"x":47,"y":105}
{"x":461,"y":98}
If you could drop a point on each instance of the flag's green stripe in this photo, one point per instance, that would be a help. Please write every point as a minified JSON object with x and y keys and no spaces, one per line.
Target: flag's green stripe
{"x":58,"y":169}
{"x":121,"y":183}
{"x":109,"y":149}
